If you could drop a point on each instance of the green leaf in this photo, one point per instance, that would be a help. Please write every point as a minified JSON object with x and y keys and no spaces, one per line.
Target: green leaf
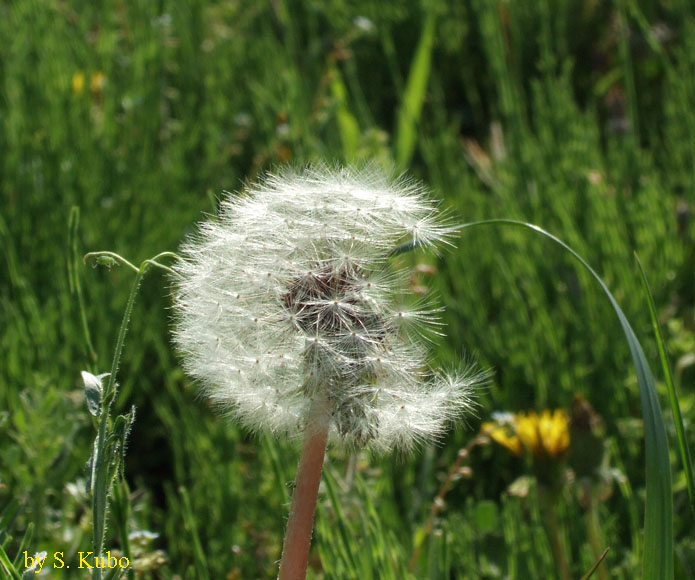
{"x":93,"y":391}
{"x":9,"y":513}
{"x":24,"y":544}
{"x":7,"y":565}
{"x":348,"y":126}
{"x":106,"y":261}
{"x":658,"y":525}
{"x":684,"y":450}
{"x":347,"y":551}
{"x":414,"y":94}
{"x":201,"y":564}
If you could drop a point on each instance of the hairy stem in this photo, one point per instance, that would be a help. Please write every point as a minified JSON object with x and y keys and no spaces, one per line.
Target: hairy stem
{"x":295,"y":551}
{"x":101,"y":478}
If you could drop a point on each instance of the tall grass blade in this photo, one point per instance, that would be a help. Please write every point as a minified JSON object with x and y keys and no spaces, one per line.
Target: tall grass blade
{"x":348,"y":126}
{"x":414,"y":95}
{"x":24,"y":544}
{"x":7,"y":565}
{"x":270,"y":449}
{"x":329,"y":480}
{"x":75,"y":286}
{"x":684,"y":450}
{"x":658,"y":525}
{"x":201,"y":564}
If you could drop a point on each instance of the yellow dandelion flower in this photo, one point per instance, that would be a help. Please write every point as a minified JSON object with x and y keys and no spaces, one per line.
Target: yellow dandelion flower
{"x":78,"y":83}
{"x":543,"y":436}
{"x":503,"y":434}
{"x":97,"y":83}
{"x":546,"y":435}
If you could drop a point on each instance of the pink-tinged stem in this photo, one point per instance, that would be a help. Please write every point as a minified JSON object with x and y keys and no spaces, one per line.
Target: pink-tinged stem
{"x":295,"y":551}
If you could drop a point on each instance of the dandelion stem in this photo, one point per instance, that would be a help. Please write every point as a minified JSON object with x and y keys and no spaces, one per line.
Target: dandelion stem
{"x":594,"y":531}
{"x":548,"y":500}
{"x":295,"y":552}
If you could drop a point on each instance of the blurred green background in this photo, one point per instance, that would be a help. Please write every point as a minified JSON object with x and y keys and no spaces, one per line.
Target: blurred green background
{"x":574,"y":115}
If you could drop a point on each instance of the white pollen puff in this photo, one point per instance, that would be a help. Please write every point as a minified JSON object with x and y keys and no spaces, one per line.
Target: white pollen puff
{"x":288,"y":297}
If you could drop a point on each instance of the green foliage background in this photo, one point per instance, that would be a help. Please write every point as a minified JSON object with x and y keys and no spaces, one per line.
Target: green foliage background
{"x":574,"y":115}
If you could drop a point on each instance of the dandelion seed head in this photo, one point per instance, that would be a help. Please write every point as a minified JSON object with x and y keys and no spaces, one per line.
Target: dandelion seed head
{"x":289,"y":297}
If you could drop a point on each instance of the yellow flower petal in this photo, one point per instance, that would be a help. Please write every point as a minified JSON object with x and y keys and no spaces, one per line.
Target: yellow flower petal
{"x":78,"y":82}
{"x":97,"y":82}
{"x":503,"y":435}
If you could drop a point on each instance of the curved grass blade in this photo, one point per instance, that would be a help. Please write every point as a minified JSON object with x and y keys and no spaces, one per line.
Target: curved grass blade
{"x":686,"y":458}
{"x":658,"y":523}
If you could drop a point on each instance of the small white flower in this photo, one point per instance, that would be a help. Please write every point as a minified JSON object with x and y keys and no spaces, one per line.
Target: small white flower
{"x":289,"y":298}
{"x":37,"y":562}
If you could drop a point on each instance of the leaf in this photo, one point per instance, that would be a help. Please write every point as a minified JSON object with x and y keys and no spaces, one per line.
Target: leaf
{"x":7,"y":565}
{"x":9,"y":513}
{"x":348,"y":126}
{"x":24,"y":544}
{"x":121,"y":429}
{"x":106,"y":261}
{"x":414,"y":94}
{"x":93,"y":391}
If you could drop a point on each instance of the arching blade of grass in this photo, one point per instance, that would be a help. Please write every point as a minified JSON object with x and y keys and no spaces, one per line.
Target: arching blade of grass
{"x":414,"y":95}
{"x":686,"y":458}
{"x":658,"y":525}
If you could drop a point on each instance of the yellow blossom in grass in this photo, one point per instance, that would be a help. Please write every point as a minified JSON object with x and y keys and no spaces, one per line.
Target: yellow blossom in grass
{"x":97,"y":83}
{"x":503,"y":432}
{"x":544,"y":436}
{"x":78,"y":82}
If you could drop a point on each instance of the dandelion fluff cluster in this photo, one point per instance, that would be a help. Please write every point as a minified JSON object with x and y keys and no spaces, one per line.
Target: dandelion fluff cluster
{"x":289,"y":298}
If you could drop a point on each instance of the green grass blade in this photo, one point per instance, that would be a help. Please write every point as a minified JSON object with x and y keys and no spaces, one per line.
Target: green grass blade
{"x":280,"y":479}
{"x":593,"y":569}
{"x":329,"y":480}
{"x":201,"y":564}
{"x":8,"y":515}
{"x":76,"y":287}
{"x":658,"y":524}
{"x":414,"y":95}
{"x":684,"y":450}
{"x":348,"y":126}
{"x":24,"y":544}
{"x":7,"y":565}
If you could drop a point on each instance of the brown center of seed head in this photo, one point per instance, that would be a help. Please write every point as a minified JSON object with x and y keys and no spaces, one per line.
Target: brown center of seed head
{"x":327,"y":303}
